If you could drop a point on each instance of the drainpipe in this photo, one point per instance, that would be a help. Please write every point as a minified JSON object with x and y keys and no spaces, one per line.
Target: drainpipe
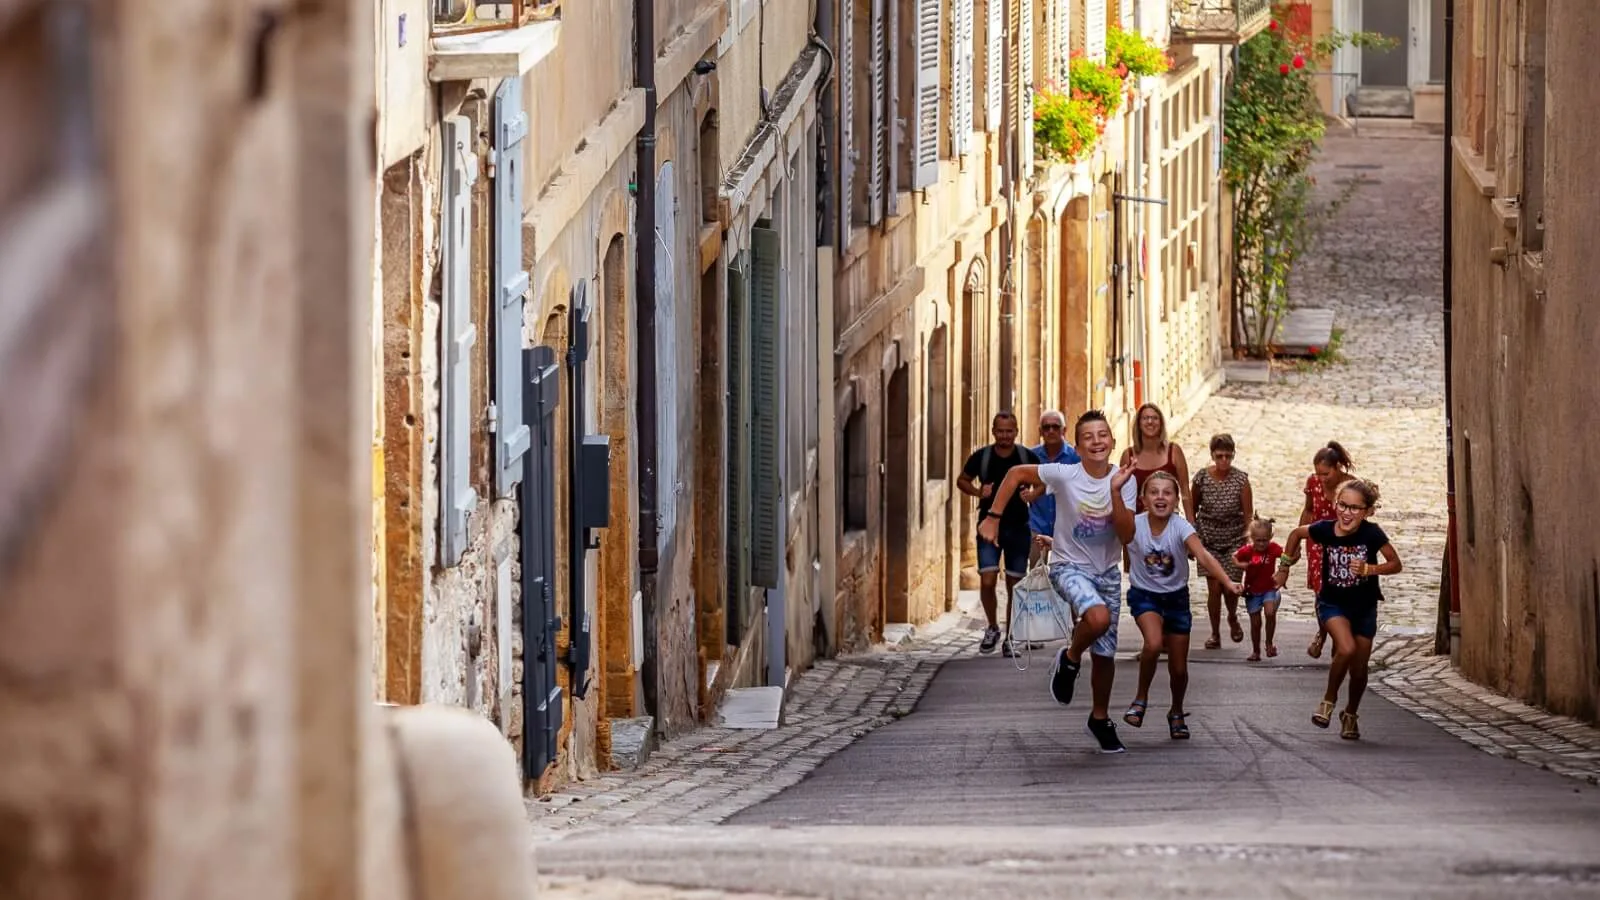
{"x":644,"y":287}
{"x":1445,"y":642}
{"x":827,"y":221}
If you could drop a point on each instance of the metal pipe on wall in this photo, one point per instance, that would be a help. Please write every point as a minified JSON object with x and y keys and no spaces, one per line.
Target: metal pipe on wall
{"x":1450,"y":603}
{"x":644,"y":286}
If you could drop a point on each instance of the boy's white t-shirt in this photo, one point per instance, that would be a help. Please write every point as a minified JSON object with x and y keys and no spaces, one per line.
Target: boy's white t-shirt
{"x":1159,"y":565}
{"x":1084,"y":536}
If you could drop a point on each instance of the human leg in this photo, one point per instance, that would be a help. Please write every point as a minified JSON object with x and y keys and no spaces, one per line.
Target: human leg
{"x":1269,"y":609}
{"x":1149,"y":622}
{"x":988,"y":575}
{"x":1095,"y":619}
{"x":1214,"y":612}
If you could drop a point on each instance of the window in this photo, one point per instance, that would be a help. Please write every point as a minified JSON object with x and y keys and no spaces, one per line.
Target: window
{"x":920,"y":79}
{"x":463,"y":16}
{"x":961,"y":76}
{"x":857,"y":463}
{"x":937,"y":415}
{"x":1531,"y":209}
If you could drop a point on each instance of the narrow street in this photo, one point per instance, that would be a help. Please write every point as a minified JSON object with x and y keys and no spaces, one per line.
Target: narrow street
{"x":876,"y":787}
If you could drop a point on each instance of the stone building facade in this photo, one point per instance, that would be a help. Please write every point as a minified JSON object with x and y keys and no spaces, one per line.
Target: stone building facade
{"x":1522,"y":322}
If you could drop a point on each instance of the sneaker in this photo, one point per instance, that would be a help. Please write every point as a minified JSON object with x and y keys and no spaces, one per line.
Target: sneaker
{"x":1007,"y":649}
{"x":1105,"y":731}
{"x":1063,"y":677}
{"x":990,"y":638}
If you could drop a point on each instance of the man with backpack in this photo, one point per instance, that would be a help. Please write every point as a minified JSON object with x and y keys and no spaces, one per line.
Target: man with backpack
{"x":981,"y":475}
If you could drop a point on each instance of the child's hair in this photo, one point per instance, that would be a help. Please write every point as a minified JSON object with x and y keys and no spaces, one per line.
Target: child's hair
{"x":1159,"y":475}
{"x":1093,"y":415}
{"x":1222,"y":442}
{"x":1333,"y":454}
{"x":1261,"y":523}
{"x":1367,"y":490}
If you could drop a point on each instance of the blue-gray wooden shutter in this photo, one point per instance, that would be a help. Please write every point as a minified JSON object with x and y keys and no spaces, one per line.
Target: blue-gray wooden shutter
{"x":542,"y":700}
{"x":510,"y":285}
{"x":877,"y":124}
{"x":1024,"y":24}
{"x":766,"y":405}
{"x":896,"y":141}
{"x":738,"y":449}
{"x":925,"y":132}
{"x":457,"y":498}
{"x":848,"y":154}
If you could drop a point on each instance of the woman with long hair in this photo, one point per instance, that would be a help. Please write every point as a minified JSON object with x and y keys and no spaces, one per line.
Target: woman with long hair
{"x":1151,"y":452}
{"x":1332,"y":467}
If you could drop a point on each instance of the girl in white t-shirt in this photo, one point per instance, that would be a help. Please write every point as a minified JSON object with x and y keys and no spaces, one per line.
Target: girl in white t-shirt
{"x":1158,"y":593}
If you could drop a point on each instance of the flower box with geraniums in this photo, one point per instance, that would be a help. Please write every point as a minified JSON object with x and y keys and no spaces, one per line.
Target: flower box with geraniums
{"x":1068,"y":123}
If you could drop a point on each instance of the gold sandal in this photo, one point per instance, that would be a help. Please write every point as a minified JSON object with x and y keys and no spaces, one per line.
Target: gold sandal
{"x":1314,"y":649}
{"x":1324,"y":713}
{"x":1349,"y":726}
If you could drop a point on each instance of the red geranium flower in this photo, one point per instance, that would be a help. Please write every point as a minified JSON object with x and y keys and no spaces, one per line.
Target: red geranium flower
{"x":1283,"y":69}
{"x":1315,"y":351}
{"x":1299,"y":61}
{"x":1273,"y":25}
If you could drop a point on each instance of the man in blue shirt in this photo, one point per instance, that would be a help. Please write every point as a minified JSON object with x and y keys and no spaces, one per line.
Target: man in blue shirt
{"x":1042,"y":508}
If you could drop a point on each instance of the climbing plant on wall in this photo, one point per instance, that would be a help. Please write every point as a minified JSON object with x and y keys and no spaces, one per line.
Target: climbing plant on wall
{"x":1273,"y":126}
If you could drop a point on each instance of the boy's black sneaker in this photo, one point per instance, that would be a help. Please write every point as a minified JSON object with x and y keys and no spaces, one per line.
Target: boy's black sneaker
{"x":1105,"y":731}
{"x":1063,"y":677}
{"x":990,"y":638}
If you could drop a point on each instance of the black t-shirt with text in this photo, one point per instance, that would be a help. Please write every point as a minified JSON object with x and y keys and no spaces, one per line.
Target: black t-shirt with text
{"x":1340,"y":553}
{"x":993,"y":471}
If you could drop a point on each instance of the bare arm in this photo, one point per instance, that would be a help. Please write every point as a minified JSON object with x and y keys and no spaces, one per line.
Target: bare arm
{"x":1210,"y":565}
{"x":1121,"y":515}
{"x":989,"y":528}
{"x":1389,"y":566}
{"x":1291,"y":554}
{"x":967,"y":486}
{"x":1181,"y":463}
{"x":1305,"y":512}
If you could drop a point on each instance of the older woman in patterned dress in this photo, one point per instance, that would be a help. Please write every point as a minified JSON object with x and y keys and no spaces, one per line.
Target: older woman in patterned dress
{"x":1221,"y":507}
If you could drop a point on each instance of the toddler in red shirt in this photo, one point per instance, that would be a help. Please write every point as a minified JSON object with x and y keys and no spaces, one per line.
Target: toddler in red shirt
{"x":1259,"y":559}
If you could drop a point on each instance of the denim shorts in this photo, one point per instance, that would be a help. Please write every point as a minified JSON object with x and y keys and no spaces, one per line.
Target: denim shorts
{"x":1363,"y":619}
{"x":1085,"y":590}
{"x":1172,"y":605}
{"x":1254,"y":602}
{"x":1015,"y":544}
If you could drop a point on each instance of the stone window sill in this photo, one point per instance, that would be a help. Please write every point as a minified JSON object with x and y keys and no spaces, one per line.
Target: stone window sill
{"x":492,"y":54}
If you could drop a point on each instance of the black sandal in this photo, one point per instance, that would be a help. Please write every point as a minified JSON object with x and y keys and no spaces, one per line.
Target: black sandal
{"x":1176,"y":728}
{"x":1135,"y":714}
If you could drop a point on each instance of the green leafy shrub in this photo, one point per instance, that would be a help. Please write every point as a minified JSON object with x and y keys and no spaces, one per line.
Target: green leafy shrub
{"x":1134,"y":54}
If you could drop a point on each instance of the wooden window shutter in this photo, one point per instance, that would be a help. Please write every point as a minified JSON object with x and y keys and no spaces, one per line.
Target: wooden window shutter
{"x":457,"y":499}
{"x":847,"y":120}
{"x":993,"y":63}
{"x":766,"y":406}
{"x":510,"y":284}
{"x":1063,"y":20}
{"x":738,"y":448}
{"x":897,"y":142}
{"x":878,"y":73}
{"x":961,"y":76}
{"x":1094,"y":29}
{"x":925,"y":137}
{"x":1024,"y":95}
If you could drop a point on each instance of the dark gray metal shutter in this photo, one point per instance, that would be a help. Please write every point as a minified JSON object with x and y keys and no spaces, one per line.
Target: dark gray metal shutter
{"x":541,"y":694}
{"x":738,"y":449}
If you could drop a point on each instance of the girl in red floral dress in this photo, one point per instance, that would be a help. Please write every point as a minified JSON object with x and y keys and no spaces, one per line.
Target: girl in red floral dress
{"x":1333,"y":467}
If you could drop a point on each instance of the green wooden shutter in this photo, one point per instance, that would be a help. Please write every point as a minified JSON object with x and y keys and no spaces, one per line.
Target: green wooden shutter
{"x":766,"y":406}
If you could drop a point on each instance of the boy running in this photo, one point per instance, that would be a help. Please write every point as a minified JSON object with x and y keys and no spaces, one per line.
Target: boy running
{"x":1089,"y":533}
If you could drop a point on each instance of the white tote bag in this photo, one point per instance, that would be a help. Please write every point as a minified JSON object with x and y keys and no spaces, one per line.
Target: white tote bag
{"x":1038,"y":614}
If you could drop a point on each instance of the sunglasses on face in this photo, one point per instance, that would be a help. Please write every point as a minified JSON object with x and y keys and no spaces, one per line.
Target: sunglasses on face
{"x":1049,"y":426}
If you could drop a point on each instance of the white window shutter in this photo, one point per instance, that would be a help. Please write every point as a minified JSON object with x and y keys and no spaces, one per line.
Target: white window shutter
{"x":1094,"y":36}
{"x":994,"y":63}
{"x":459,"y":334}
{"x":925,"y":136}
{"x":961,"y":76}
{"x":1024,"y":103}
{"x":509,"y":282}
{"x":878,"y":72}
{"x":898,"y":144}
{"x":1063,"y":19}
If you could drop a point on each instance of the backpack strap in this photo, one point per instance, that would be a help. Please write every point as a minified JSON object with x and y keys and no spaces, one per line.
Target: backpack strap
{"x":983,"y":463}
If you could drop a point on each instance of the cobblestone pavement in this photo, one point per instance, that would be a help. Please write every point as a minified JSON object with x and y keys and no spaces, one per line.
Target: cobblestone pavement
{"x":1376,"y":265}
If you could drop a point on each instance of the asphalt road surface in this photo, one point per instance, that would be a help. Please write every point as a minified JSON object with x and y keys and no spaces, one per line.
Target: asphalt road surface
{"x":990,"y":786}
